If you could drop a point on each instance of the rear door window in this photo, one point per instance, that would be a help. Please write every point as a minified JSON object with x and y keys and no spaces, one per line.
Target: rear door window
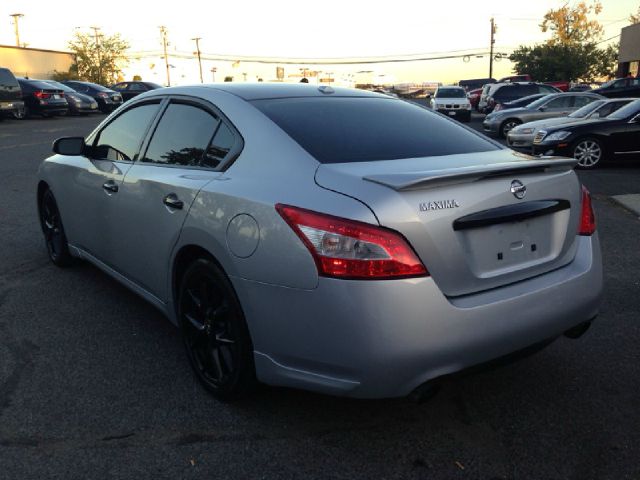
{"x":560,"y":102}
{"x":7,"y":78}
{"x":345,"y":129}
{"x":182,"y":136}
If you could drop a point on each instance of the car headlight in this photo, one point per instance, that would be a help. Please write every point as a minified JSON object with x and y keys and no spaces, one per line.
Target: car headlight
{"x":557,"y":136}
{"x":524,"y":131}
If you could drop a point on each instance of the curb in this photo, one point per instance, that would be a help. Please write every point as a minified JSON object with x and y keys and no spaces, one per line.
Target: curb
{"x":631,"y":202}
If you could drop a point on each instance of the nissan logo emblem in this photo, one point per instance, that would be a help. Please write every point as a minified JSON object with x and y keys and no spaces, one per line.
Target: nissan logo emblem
{"x":518,"y":189}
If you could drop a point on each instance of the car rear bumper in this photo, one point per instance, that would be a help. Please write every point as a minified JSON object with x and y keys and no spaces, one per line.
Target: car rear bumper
{"x":11,"y":106}
{"x":455,"y":112}
{"x":376,"y":339}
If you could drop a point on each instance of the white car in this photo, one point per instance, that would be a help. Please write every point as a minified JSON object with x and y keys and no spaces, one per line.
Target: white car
{"x":453,"y":102}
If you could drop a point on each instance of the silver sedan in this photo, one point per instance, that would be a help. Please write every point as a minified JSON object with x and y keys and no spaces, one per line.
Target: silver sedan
{"x":334,"y":240}
{"x":549,"y":106}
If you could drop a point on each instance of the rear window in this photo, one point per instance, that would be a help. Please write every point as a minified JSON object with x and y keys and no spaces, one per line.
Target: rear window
{"x":40,"y":85}
{"x":7,"y":78}
{"x":343,"y":129}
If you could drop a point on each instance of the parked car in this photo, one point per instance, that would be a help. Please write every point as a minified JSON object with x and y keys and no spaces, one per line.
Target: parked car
{"x":475,"y":83}
{"x":506,"y":92}
{"x":580,"y":87}
{"x":128,"y":90}
{"x":592,"y":142}
{"x":360,"y":260}
{"x":620,"y":87}
{"x":108,"y":100}
{"x":474,"y":97}
{"x":549,"y":106}
{"x":41,"y":98}
{"x":516,"y":78}
{"x":561,"y":85}
{"x":520,"y":102}
{"x":521,"y":137}
{"x":10,"y":94}
{"x":452,"y":101}
{"x":79,"y":103}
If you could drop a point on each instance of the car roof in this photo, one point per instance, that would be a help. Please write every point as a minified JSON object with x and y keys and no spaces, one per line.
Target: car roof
{"x":259,"y":91}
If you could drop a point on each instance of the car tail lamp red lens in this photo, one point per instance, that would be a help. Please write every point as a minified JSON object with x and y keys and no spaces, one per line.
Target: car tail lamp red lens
{"x":42,"y":95}
{"x":349,"y":249}
{"x":587,"y":217}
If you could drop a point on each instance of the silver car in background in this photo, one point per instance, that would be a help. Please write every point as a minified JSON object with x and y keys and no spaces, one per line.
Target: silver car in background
{"x":521,"y":137}
{"x":335,"y":240}
{"x":550,"y":106}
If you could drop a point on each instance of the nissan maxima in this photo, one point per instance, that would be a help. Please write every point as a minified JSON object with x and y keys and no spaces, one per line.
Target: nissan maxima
{"x":329,"y":239}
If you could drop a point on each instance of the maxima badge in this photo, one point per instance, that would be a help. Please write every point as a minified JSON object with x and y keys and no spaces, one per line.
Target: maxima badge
{"x":518,"y":189}
{"x":438,"y":205}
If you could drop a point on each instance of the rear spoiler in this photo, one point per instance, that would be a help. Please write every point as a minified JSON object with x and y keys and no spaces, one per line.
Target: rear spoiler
{"x":415,"y":180}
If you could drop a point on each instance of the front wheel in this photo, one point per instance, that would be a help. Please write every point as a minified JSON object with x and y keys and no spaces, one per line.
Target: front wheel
{"x":54,"y":236}
{"x":214,"y":332}
{"x":589,"y":152}
{"x":508,"y":125}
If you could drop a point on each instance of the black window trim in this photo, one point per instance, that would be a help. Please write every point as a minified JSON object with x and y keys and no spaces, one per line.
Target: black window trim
{"x":234,"y":152}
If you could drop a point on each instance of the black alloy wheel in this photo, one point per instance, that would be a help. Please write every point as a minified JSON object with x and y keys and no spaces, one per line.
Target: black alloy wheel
{"x":214,"y":331}
{"x":54,"y":237}
{"x":21,"y":113}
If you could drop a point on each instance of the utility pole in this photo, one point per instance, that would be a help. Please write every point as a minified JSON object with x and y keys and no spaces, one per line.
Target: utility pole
{"x":213,"y":74}
{"x":163,"y":33}
{"x":97,"y":37}
{"x":494,"y":27}
{"x":197,"y":40}
{"x":16,"y":16}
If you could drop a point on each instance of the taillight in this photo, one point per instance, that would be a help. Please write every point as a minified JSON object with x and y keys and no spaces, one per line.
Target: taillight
{"x":352,"y":250}
{"x":587,"y":217}
{"x":42,"y":95}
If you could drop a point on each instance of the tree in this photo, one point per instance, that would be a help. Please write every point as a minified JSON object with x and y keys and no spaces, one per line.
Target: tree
{"x":571,"y":25}
{"x":97,"y":58}
{"x":571,"y":53}
{"x":635,"y":17}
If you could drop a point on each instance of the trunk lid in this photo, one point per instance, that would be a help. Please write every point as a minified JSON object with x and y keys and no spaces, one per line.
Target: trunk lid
{"x":461,"y":214}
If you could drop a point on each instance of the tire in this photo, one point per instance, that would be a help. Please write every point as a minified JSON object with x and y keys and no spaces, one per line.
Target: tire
{"x":214,"y":331}
{"x":53,"y":230}
{"x":508,"y":125}
{"x":589,"y":152}
{"x":21,"y":113}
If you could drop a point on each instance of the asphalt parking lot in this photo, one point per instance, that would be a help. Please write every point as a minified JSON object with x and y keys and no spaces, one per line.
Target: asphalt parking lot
{"x":94,"y":382}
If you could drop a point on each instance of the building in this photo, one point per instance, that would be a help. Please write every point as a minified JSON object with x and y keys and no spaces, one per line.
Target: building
{"x":629,"y":57}
{"x":34,"y":62}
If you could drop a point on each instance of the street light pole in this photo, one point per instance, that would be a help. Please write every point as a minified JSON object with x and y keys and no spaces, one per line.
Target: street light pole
{"x":16,"y":16}
{"x":493,"y":41}
{"x":163,"y":33}
{"x":197,"y":40}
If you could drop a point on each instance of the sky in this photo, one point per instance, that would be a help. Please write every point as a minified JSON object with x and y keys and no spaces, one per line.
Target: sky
{"x":303,"y":29}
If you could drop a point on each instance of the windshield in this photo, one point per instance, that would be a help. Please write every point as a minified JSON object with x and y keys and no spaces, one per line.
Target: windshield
{"x":450,"y":93}
{"x":587,"y":109}
{"x":540,"y":101}
{"x":628,"y":110}
{"x":608,"y":84}
{"x":347,"y":129}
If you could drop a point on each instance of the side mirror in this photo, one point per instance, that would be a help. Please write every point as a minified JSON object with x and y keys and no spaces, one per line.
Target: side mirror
{"x":542,"y":109}
{"x":72,"y":146}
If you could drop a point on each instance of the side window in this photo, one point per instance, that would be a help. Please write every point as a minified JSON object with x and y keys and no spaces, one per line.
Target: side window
{"x":181,"y":136}
{"x":560,"y":102}
{"x":219,"y":147}
{"x":608,"y":108}
{"x":581,"y":101}
{"x":136,"y":87}
{"x":120,"y":86}
{"x":121,"y":139}
{"x":547,"y":89}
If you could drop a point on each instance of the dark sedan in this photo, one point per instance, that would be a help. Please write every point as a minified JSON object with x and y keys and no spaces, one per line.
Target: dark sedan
{"x":108,"y":100}
{"x":79,"y":103}
{"x":520,"y":102}
{"x":41,"y":98}
{"x":620,"y":87}
{"x":128,"y":90}
{"x":593,"y":141}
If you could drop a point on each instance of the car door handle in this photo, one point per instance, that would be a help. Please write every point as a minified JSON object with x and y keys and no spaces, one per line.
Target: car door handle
{"x":172,"y":201}
{"x":110,"y":186}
